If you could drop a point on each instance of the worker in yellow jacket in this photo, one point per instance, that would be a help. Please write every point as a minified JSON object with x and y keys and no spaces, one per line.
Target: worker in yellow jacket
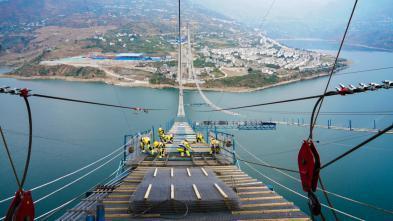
{"x":160,"y":147}
{"x":161,"y":133}
{"x":214,"y":146}
{"x":199,"y":138}
{"x":184,"y":147}
{"x":145,"y":143}
{"x":168,"y":138}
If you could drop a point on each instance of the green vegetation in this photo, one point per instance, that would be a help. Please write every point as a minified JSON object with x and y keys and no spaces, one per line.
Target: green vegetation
{"x":252,"y":71}
{"x":272,"y":66}
{"x":218,"y":42}
{"x":14,"y":43}
{"x":159,"y":64}
{"x":249,"y":81}
{"x":159,"y":78}
{"x":85,"y":72}
{"x":217,"y":73}
{"x":32,"y":70}
{"x":153,"y":45}
{"x":201,"y":63}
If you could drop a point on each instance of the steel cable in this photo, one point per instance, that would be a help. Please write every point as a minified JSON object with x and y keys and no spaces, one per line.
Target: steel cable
{"x":78,"y":179}
{"x":301,"y":195}
{"x":329,"y":192}
{"x":95,"y":103}
{"x":375,"y":136}
{"x":67,"y":175}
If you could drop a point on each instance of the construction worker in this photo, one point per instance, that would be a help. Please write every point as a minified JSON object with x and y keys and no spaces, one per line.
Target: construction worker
{"x":145,"y":143}
{"x":199,"y":138}
{"x":160,"y":147}
{"x":168,"y":138}
{"x":161,"y":133}
{"x":214,"y":146}
{"x":184,"y":147}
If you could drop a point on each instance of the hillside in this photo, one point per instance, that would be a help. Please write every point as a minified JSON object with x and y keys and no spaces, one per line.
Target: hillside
{"x":68,"y":28}
{"x":72,"y":38}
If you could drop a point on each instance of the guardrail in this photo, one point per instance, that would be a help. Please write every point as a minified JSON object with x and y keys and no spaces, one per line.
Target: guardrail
{"x":227,"y":144}
{"x":132,"y":144}
{"x":240,"y":125}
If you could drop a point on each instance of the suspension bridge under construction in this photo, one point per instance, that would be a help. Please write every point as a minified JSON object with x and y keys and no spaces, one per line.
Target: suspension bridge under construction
{"x":203,"y":185}
{"x":200,"y":187}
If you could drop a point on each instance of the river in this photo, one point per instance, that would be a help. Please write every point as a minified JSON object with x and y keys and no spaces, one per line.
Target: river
{"x":68,"y":136}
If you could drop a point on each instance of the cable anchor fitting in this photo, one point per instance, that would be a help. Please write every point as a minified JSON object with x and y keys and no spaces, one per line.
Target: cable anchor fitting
{"x":309,"y":168}
{"x":24,"y":92}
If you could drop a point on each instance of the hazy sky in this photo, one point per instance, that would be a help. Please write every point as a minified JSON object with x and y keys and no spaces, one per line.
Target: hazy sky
{"x":254,"y":10}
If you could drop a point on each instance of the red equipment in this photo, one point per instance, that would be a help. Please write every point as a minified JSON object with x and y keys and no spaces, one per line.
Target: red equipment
{"x":309,"y":166}
{"x":21,"y":208}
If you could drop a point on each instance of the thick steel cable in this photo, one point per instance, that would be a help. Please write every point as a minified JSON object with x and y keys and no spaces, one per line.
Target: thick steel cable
{"x":46,"y":196}
{"x":312,"y":124}
{"x":268,"y":103}
{"x":335,"y":61}
{"x":50,"y":213}
{"x":28,"y":157}
{"x":301,"y":195}
{"x":261,"y":26}
{"x":327,"y":198}
{"x":204,"y":97}
{"x":67,"y":175}
{"x":358,"y":146}
{"x":29,"y":148}
{"x":94,"y":103}
{"x":209,"y":102}
{"x":351,"y":137}
{"x":180,"y":54}
{"x":329,"y":192}
{"x":365,"y":70}
{"x":333,"y":113}
{"x":259,"y":164}
{"x":327,"y":94}
{"x":78,"y":179}
{"x":10,"y":159}
{"x":265,"y":165}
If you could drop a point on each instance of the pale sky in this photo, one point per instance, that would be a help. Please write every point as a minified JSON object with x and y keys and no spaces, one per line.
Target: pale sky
{"x":252,"y":10}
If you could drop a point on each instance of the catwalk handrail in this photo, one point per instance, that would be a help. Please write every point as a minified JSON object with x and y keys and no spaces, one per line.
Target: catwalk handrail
{"x":67,"y":175}
{"x":301,"y":195}
{"x":328,"y":192}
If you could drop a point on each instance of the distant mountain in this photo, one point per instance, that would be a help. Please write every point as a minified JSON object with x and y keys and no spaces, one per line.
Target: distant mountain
{"x":25,"y":25}
{"x":103,"y":12}
{"x":372,"y":23}
{"x":25,"y":11}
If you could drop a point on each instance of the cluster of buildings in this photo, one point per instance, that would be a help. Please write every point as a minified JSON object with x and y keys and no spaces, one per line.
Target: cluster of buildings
{"x":268,"y":56}
{"x":120,"y":39}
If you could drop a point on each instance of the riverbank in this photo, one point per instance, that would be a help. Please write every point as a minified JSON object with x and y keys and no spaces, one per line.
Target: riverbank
{"x":144,"y":84}
{"x":77,"y":129}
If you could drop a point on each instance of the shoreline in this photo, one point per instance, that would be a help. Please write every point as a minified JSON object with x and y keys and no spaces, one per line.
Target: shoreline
{"x":162,"y":86}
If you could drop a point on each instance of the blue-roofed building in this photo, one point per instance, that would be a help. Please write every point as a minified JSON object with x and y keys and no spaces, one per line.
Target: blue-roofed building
{"x":129,"y":56}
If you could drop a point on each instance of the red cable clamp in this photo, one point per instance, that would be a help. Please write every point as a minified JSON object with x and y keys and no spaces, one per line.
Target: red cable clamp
{"x":22,"y":207}
{"x":309,"y":166}
{"x":24,"y":92}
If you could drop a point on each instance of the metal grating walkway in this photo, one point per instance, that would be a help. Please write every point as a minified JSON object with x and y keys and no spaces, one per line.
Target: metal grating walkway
{"x":257,"y":201}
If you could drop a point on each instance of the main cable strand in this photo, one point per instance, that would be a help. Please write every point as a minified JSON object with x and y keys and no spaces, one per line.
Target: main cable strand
{"x":301,"y":195}
{"x":335,"y":61}
{"x":95,"y":103}
{"x":10,"y":159}
{"x":67,"y":175}
{"x":386,"y":211}
{"x":375,"y":136}
{"x":29,"y":150}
